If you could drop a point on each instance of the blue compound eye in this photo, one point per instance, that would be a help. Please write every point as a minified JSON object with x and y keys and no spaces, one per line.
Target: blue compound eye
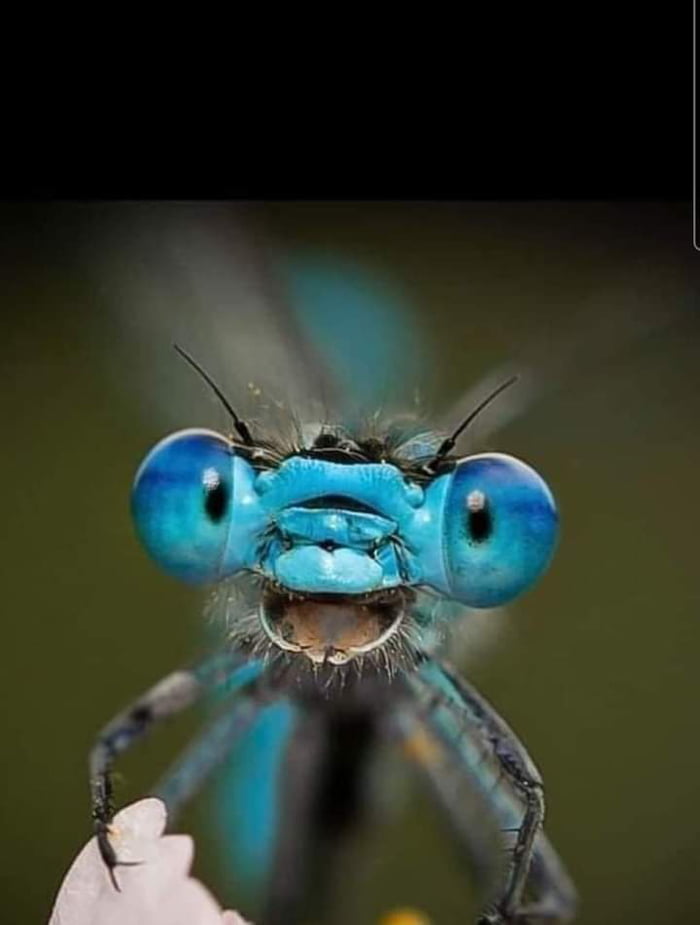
{"x":181,"y":503}
{"x":500,"y":529}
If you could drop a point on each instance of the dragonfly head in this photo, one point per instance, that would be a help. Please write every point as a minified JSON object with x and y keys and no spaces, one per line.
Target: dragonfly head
{"x":342,"y":538}
{"x":338,"y":573}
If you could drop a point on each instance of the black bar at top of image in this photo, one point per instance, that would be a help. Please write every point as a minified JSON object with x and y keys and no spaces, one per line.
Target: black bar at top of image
{"x":590,"y":103}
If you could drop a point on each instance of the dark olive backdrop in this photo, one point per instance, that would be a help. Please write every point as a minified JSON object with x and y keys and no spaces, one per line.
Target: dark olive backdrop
{"x":598,"y":668}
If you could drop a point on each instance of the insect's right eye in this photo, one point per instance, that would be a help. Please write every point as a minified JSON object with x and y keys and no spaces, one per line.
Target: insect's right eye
{"x":181,"y":503}
{"x":500,"y":529}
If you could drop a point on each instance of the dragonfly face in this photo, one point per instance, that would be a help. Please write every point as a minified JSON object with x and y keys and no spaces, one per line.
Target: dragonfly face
{"x":343,"y":530}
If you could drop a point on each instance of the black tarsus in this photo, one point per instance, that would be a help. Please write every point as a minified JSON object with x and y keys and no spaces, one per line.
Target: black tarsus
{"x":240,"y":425}
{"x":448,"y":444}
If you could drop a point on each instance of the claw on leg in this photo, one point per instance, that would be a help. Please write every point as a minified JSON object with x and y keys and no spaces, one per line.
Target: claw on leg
{"x":174,"y":693}
{"x":108,"y":854}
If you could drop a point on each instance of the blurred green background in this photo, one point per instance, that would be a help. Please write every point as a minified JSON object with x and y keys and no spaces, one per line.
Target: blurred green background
{"x":597,"y":668}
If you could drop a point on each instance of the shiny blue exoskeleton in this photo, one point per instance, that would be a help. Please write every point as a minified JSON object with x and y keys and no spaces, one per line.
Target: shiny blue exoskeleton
{"x":480,"y":534}
{"x":341,"y":548}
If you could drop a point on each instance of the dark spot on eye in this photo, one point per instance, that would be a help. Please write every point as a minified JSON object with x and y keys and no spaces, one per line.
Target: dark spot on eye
{"x":216,"y":501}
{"x":480,"y":523}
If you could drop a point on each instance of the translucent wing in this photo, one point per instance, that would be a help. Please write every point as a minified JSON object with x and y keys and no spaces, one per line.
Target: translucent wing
{"x":279,"y":330}
{"x":359,"y":322}
{"x":612,"y":323}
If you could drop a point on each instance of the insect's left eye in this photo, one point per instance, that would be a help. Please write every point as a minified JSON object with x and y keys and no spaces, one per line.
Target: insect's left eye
{"x":181,"y":503}
{"x":500,"y":529}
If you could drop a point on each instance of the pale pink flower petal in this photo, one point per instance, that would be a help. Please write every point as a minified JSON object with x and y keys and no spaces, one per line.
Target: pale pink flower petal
{"x":232,"y":918}
{"x":158,"y":891}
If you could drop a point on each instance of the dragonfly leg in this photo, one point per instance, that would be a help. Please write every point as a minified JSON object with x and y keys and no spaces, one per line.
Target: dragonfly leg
{"x":469,"y":738}
{"x":168,"y":697}
{"x":509,"y":907}
{"x":185,"y":777}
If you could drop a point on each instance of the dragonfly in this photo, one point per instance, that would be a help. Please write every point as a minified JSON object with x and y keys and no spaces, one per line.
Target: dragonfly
{"x":342,"y":549}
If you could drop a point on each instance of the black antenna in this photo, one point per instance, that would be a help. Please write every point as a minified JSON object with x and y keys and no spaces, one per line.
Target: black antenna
{"x":240,"y":425}
{"x":448,"y":444}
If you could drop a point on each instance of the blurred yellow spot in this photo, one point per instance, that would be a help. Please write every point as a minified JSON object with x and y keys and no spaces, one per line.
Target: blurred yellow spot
{"x":422,"y":748}
{"x":404,"y":917}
